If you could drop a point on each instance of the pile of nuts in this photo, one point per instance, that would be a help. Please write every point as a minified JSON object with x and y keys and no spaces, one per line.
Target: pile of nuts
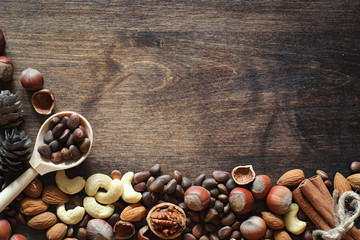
{"x":152,"y":205}
{"x":66,"y":139}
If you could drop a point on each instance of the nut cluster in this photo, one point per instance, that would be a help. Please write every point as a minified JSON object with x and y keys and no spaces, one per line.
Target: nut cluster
{"x":66,"y":139}
{"x":207,"y":208}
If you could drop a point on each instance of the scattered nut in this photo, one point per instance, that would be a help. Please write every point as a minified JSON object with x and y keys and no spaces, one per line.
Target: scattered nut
{"x":56,"y":232}
{"x":31,"y":79}
{"x":96,"y":181}
{"x":133,"y":213}
{"x":34,"y":188}
{"x":73,"y":216}
{"x":113,"y":193}
{"x":98,"y":229}
{"x":129,"y":194}
{"x":69,"y":186}
{"x":97,"y":210}
{"x":6,"y":69}
{"x":292,"y":223}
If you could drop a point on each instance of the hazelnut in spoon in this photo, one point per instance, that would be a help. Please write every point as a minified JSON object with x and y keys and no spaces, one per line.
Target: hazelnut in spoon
{"x":41,"y":165}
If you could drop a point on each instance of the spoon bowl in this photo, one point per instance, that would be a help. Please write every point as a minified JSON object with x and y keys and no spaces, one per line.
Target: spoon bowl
{"x":41,"y":165}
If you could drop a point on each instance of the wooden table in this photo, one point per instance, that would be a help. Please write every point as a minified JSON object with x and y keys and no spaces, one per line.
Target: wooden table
{"x":196,"y":85}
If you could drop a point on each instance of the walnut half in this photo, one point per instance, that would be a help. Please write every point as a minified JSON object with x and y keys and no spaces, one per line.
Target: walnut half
{"x":166,"y":220}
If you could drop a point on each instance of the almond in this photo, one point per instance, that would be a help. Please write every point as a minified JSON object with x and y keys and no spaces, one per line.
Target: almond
{"x":281,"y":235}
{"x":42,"y":221}
{"x":273,"y":221}
{"x":133,"y":213}
{"x":291,"y":178}
{"x":57,"y":232}
{"x":53,"y":195}
{"x":32,"y":206}
{"x":354,"y":181}
{"x":34,"y":188}
{"x":341,"y":184}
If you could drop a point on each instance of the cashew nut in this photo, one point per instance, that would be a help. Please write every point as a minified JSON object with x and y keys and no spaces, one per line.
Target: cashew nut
{"x":96,"y":181}
{"x":72,"y":217}
{"x":67,"y":185}
{"x":113,"y":193}
{"x":97,"y":210}
{"x":129,"y":195}
{"x":292,"y":223}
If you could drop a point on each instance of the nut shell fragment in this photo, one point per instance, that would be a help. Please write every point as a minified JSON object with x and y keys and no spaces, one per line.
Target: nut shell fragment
{"x":243,"y":175}
{"x":43,"y":101}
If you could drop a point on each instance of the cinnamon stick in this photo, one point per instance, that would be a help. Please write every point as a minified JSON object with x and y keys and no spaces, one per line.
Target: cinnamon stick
{"x":319,"y":183}
{"x":318,"y":197}
{"x":317,"y":200}
{"x":309,"y":210}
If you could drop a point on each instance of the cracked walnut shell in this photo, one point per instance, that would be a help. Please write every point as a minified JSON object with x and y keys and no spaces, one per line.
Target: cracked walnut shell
{"x":166,"y":220}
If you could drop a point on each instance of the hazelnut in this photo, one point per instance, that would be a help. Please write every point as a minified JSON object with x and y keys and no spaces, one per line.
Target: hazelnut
{"x":31,"y":79}
{"x":261,"y":186}
{"x":17,"y":237}
{"x":6,"y":69}
{"x":2,"y":42}
{"x":243,"y":175}
{"x":43,"y":101}
{"x":166,"y":220}
{"x":241,"y":200}
{"x":5,"y":229}
{"x":124,"y":230}
{"x":197,"y":198}
{"x":253,"y":228}
{"x":97,"y":229}
{"x":279,"y":199}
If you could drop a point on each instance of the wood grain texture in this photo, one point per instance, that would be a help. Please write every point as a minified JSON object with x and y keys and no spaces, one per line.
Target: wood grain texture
{"x":197,"y":85}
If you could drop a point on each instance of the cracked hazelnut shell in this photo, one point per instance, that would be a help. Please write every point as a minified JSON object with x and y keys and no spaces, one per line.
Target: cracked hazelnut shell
{"x":166,"y":220}
{"x":43,"y":101}
{"x":124,"y":230}
{"x":243,"y":175}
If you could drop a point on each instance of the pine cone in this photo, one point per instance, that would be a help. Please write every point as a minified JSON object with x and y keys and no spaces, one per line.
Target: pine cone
{"x":10,"y":115}
{"x":14,"y":150}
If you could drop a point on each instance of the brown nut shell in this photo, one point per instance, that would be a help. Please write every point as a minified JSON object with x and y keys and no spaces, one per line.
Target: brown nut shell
{"x":124,"y":230}
{"x":243,"y":175}
{"x":43,"y":101}
{"x":166,"y":220}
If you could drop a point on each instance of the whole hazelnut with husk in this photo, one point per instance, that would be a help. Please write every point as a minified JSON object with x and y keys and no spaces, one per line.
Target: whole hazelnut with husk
{"x":166,"y":220}
{"x":2,"y":42}
{"x":279,"y":199}
{"x":43,"y":101}
{"x":261,"y":186}
{"x":197,"y":198}
{"x":243,"y":175}
{"x":124,"y":230}
{"x":31,"y":79}
{"x":241,"y":200}
{"x":6,"y":69}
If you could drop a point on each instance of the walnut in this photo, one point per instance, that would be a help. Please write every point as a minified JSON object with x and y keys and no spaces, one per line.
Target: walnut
{"x":166,"y":220}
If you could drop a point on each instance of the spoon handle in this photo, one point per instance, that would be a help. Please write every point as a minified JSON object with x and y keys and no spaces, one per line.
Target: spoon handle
{"x":16,"y":187}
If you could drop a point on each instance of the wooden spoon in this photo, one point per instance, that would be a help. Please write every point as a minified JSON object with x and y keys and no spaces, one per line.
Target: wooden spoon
{"x":40,"y":165}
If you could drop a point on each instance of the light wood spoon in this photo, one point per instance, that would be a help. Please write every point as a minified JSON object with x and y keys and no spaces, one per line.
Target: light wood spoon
{"x":40,"y":165}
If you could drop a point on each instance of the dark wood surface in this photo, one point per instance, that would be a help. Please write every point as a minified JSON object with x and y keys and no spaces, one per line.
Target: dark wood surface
{"x":197,"y":85}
